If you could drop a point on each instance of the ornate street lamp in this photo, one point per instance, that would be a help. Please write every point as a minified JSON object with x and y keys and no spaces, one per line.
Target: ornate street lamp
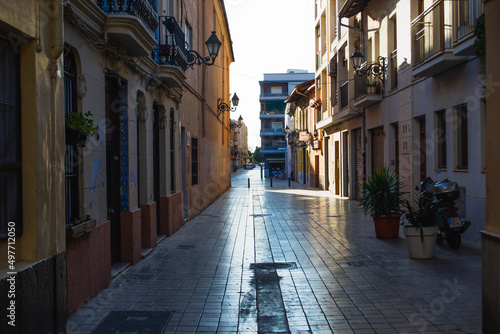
{"x":236,"y":125}
{"x":221,"y":106}
{"x":286,"y":131}
{"x":377,"y":69}
{"x":213,"y":46}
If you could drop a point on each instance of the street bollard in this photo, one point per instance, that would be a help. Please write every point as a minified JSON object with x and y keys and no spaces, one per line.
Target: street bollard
{"x":288,"y":182}
{"x":271,"y":181}
{"x":248,"y":182}
{"x":261,"y":172}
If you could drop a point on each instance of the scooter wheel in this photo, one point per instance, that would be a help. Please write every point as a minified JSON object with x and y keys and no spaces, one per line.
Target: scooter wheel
{"x":454,"y":239}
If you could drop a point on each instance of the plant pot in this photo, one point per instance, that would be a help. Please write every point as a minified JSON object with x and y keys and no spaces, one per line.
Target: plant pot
{"x":386,"y":226}
{"x":417,"y":248}
{"x":76,"y":137}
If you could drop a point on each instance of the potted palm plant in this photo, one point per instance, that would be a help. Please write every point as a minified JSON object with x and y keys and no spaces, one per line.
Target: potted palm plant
{"x":79,"y":127}
{"x":420,"y":226}
{"x":382,"y":199}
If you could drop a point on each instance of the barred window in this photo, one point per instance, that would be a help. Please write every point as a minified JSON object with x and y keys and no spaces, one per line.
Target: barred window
{"x":10,"y":140}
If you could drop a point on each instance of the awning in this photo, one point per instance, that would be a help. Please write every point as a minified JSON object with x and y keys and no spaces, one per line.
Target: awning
{"x":352,"y":7}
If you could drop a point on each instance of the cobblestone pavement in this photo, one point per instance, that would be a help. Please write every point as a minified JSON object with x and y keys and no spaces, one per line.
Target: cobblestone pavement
{"x":330,"y":273}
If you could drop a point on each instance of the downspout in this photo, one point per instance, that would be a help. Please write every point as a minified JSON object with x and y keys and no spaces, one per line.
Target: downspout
{"x":56,"y":73}
{"x":57,"y":68}
{"x":203,"y":85}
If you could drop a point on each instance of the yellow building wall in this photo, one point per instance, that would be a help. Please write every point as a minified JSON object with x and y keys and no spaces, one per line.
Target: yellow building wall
{"x":42,"y":127}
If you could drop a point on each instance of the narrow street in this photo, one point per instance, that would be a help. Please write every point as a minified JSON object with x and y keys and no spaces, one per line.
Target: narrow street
{"x":287,"y":260}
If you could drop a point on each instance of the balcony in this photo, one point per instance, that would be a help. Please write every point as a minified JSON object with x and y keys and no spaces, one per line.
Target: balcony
{"x":131,"y":24}
{"x":275,"y":148}
{"x":268,"y":132}
{"x":367,"y":91}
{"x":431,"y":33}
{"x":171,"y":53}
{"x":270,"y":114}
{"x":465,"y":14}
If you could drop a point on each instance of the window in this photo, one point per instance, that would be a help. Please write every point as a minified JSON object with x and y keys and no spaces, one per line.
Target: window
{"x":172,"y":151}
{"x":10,"y":140}
{"x":194,"y":161}
{"x":440,"y":137}
{"x":393,"y":48}
{"x":276,"y":90}
{"x":71,"y":170}
{"x":461,"y":137}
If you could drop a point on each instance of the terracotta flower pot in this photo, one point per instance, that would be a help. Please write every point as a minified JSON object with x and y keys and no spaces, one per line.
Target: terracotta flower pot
{"x":386,"y":226}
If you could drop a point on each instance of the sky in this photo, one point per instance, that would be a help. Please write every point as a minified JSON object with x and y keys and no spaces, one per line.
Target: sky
{"x":269,"y":36}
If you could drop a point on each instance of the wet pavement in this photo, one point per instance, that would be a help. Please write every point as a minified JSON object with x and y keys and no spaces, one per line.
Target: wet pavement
{"x":287,"y":260}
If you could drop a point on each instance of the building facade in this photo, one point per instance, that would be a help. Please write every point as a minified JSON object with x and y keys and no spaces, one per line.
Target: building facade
{"x":161,"y":153}
{"x":423,"y":115}
{"x":274,"y":89}
{"x":305,"y":149}
{"x":490,"y":240}
{"x":239,"y":143}
{"x":32,"y":229}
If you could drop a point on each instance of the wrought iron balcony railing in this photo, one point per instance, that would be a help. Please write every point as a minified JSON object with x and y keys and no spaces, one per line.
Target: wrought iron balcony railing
{"x":144,"y":10}
{"x":465,"y":14}
{"x":429,"y":33}
{"x":171,"y":48}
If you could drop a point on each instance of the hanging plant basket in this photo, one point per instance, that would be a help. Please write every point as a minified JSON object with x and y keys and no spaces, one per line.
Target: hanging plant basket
{"x":76,"y":137}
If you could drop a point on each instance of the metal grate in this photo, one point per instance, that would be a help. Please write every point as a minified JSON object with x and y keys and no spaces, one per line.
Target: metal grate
{"x":273,"y":265}
{"x":185,"y":246}
{"x":139,"y":322}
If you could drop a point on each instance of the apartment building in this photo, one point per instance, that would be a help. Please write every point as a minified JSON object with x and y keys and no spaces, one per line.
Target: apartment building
{"x":274,"y":89}
{"x":415,"y":104}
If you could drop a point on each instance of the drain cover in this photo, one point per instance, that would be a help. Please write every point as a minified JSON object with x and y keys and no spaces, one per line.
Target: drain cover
{"x":185,"y":247}
{"x":260,"y":215}
{"x":134,"y":322}
{"x":273,"y":265}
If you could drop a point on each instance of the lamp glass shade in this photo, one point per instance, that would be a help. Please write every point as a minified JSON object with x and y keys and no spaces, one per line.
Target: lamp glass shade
{"x":213,"y":45}
{"x":235,"y":100}
{"x":357,"y":59}
{"x":287,"y":129}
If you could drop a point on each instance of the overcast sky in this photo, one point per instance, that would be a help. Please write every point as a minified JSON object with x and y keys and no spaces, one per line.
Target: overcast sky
{"x":269,"y":36}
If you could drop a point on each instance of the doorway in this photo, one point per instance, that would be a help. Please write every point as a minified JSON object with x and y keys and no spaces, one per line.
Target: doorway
{"x":377,"y":148}
{"x":327,"y":163}
{"x":337,"y":167}
{"x":156,"y":164}
{"x":113,"y":197}
{"x":184,"y":173}
{"x":422,"y":142}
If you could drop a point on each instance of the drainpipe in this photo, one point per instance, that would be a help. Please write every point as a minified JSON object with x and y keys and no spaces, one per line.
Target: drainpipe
{"x":56,"y":73}
{"x":56,"y":70}
{"x":203,"y":85}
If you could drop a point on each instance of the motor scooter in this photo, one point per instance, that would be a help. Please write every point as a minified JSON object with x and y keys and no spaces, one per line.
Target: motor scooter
{"x":446,"y":192}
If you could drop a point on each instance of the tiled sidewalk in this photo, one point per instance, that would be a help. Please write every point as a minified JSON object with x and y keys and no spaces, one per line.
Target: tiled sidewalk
{"x":345,"y":279}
